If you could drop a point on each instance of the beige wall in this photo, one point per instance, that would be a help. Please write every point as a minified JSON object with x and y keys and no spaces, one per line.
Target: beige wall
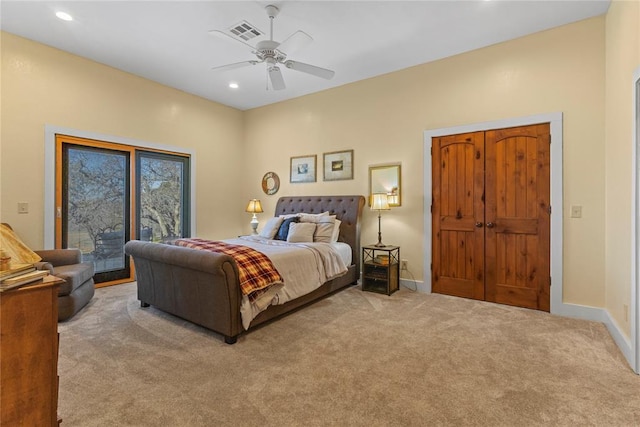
{"x":383,"y":120}
{"x":622,"y":58}
{"x":45,"y":86}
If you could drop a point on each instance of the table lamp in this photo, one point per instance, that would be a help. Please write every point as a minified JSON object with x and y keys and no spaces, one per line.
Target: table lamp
{"x":379,"y":202}
{"x":254,"y":207}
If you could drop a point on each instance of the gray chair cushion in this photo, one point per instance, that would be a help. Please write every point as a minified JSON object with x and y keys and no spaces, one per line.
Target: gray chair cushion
{"x":74,"y":276}
{"x":68,"y":305}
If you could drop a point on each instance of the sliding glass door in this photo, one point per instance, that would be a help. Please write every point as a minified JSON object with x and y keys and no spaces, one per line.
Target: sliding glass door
{"x":95,"y":207}
{"x":107,"y":194}
{"x":162,"y":188}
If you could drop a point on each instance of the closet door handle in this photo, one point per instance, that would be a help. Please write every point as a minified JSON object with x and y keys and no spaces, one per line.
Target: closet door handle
{"x":490,"y":225}
{"x":479,"y":224}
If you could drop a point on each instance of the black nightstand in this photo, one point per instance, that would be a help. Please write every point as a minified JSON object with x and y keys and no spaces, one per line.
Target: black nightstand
{"x":381,"y":269}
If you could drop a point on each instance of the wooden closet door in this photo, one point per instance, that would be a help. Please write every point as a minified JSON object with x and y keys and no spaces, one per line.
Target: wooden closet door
{"x":517,"y":216}
{"x":458,"y":215}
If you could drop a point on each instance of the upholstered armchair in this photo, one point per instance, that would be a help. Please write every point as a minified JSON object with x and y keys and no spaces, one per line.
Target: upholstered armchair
{"x":66,"y":264}
{"x":79,"y":287}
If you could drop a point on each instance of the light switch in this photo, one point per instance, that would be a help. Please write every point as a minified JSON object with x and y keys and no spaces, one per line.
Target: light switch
{"x":23,"y":207}
{"x":576,"y":211}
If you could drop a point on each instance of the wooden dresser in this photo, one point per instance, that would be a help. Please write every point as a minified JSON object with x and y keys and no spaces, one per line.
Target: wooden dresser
{"x":29,"y":355}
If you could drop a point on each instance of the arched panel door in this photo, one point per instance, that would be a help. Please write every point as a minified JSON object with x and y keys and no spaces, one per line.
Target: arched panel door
{"x":517,"y":216}
{"x":458,"y":215}
{"x":491,"y":216}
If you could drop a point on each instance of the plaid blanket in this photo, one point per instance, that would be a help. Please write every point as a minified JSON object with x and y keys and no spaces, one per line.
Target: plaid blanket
{"x":256,"y":270}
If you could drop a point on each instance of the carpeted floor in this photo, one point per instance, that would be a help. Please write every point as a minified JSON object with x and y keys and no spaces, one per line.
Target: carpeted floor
{"x":354,"y":359}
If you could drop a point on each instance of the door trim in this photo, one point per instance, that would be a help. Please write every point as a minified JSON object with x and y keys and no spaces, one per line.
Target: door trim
{"x":555,"y":120}
{"x":50,"y":132}
{"x":634,"y":357}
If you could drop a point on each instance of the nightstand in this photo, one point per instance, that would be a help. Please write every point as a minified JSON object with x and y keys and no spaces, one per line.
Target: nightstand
{"x":381,"y":269}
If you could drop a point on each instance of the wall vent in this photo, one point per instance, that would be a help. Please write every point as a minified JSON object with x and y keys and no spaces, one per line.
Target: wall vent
{"x":245,"y":31}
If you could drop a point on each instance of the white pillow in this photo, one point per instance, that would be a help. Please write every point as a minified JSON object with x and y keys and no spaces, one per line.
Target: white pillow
{"x":286,"y":216}
{"x":307,"y":217}
{"x":324,"y":231}
{"x":316,"y":219}
{"x":324,"y":225}
{"x":301,"y":232}
{"x":271,"y":227}
{"x":336,"y":231}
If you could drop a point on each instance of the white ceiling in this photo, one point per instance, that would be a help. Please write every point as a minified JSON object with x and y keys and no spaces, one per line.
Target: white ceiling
{"x":169,"y":41}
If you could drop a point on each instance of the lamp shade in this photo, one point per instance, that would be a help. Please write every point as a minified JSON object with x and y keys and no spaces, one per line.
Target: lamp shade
{"x":254,"y":206}
{"x":380,"y":202}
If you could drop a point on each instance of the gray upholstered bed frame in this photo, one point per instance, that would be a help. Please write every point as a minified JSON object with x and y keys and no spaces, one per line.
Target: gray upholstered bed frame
{"x":202,"y":286}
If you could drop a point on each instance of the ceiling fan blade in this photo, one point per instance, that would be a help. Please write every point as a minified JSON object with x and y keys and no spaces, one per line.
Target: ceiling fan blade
{"x":275,"y":75}
{"x":310,"y":69}
{"x":294,"y":42}
{"x":235,"y":65}
{"x":225,"y":36}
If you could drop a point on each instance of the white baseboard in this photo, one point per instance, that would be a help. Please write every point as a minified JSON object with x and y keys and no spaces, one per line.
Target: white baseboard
{"x":568,"y":310}
{"x":579,"y":312}
{"x":603,"y":316}
{"x":623,"y":343}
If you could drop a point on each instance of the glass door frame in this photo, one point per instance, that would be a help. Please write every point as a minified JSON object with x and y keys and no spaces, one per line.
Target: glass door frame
{"x":61,"y":140}
{"x":117,"y":273}
{"x":186,"y":172}
{"x":53,"y":170}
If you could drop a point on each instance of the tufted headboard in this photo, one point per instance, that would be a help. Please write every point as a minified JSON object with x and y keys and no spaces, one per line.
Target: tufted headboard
{"x":347,"y":209}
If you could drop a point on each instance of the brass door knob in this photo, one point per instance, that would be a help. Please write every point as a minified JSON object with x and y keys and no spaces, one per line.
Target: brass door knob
{"x":490,"y":225}
{"x":479,"y":224}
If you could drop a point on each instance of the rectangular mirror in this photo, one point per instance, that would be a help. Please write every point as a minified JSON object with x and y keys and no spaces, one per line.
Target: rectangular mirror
{"x":386,"y":179}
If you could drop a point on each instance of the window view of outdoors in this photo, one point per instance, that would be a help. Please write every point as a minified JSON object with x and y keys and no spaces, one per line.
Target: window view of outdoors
{"x":161,"y":204}
{"x":97,"y":214}
{"x":96,"y":203}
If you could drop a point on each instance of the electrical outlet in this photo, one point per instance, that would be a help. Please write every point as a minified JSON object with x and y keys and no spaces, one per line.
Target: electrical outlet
{"x":23,"y":207}
{"x":404,"y":264}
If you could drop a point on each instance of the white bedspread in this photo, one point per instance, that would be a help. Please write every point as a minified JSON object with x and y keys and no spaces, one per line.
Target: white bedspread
{"x":303,"y":266}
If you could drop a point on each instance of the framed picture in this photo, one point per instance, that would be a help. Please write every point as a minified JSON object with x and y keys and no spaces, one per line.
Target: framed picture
{"x":338,"y":165}
{"x":303,"y":169}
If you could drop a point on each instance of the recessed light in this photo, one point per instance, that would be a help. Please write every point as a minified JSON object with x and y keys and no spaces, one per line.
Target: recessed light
{"x":233,"y":85}
{"x":64,"y":16}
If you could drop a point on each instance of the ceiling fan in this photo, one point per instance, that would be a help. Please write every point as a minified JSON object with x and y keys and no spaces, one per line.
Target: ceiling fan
{"x":273,"y":53}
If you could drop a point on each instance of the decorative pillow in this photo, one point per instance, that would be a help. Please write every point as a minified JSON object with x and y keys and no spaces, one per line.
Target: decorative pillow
{"x":301,"y":232}
{"x":324,"y":231}
{"x":307,"y":217}
{"x":283,"y":231}
{"x":13,"y":246}
{"x":316,"y":219}
{"x":324,"y":225}
{"x":271,"y":227}
{"x":336,"y":231}
{"x":286,"y":216}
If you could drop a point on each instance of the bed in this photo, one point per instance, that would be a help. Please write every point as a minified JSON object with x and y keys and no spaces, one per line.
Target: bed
{"x":203,"y":287}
